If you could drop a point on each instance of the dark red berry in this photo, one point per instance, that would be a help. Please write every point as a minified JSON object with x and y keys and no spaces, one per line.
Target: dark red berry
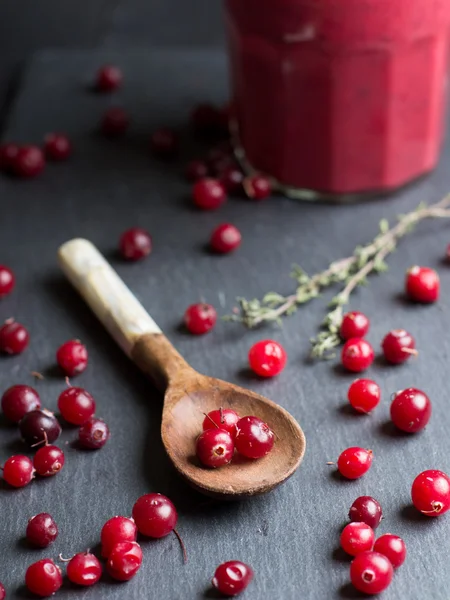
{"x":18,"y":400}
{"x":254,"y":438}
{"x":76,"y":405}
{"x":357,"y":355}
{"x":232,"y":577}
{"x":29,"y":162}
{"x":356,"y":538}
{"x":195,"y":170}
{"x":371,"y":572}
{"x":2,"y":592}
{"x":14,"y":338}
{"x":411,"y":410}
{"x":393,"y":548}
{"x":257,"y":187}
{"x":115,"y":121}
{"x":200,"y":318}
{"x":430,"y":493}
{"x":225,"y":238}
{"x":398,"y":345}
{"x":72,"y":357}
{"x":155,"y":515}
{"x":42,"y":530}
{"x":366,"y":509}
{"x":18,"y":471}
{"x":7,"y":281}
{"x":223,"y":418}
{"x":38,"y":427}
{"x":118,"y":529}
{"x":43,"y":578}
{"x":214,"y":448}
{"x":354,"y":325}
{"x":208,"y":194}
{"x":94,"y":434}
{"x":135,"y":243}
{"x":48,"y":461}
{"x":354,"y":462}
{"x":8,"y":156}
{"x":364,"y":395}
{"x":422,"y":284}
{"x":124,"y":561}
{"x":206,"y":119}
{"x":57,"y":146}
{"x":232,"y":178}
{"x":84,"y":569}
{"x":164,"y":143}
{"x":267,"y":358}
{"x":109,"y":78}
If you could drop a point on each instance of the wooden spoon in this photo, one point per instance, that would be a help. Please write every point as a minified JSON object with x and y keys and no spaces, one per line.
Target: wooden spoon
{"x":188,"y":394}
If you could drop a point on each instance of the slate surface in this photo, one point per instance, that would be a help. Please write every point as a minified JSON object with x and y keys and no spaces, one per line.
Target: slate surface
{"x":290,"y":536}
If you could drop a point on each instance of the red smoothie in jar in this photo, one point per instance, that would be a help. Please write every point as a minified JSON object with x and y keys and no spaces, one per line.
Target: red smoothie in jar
{"x":340,"y":96}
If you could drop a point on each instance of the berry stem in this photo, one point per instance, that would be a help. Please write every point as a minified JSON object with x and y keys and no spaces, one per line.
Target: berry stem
{"x":183,"y":547}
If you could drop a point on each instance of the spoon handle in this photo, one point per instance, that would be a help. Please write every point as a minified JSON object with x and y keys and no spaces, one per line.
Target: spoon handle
{"x":120,"y":311}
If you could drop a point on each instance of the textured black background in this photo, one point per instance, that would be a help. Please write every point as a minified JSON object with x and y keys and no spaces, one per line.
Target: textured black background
{"x":289,"y":537}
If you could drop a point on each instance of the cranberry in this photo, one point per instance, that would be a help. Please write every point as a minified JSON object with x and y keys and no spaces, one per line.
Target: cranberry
{"x":2,"y":592}
{"x":48,"y":461}
{"x":357,"y":355}
{"x":14,"y":338}
{"x":208,"y":194}
{"x":364,"y":395}
{"x":430,"y":493}
{"x":354,"y":325}
{"x":76,"y":405}
{"x":164,"y":143}
{"x":371,"y":572}
{"x":366,"y":509}
{"x":7,"y":281}
{"x":43,"y":578}
{"x":18,"y":471}
{"x":422,"y":284}
{"x":84,"y":569}
{"x":18,"y":400}
{"x":257,"y":187}
{"x":135,"y":243}
{"x":232,"y":179}
{"x":57,"y":146}
{"x":398,"y":345}
{"x":200,"y":318}
{"x":94,"y":434}
{"x":124,"y":561}
{"x":354,"y":462}
{"x":39,"y":426}
{"x":225,"y":238}
{"x":118,"y":529}
{"x":232,"y":577}
{"x":29,"y":162}
{"x":214,"y":447}
{"x":411,"y":410}
{"x":195,"y":170}
{"x":42,"y":530}
{"x":206,"y":119}
{"x":392,"y":547}
{"x":115,"y":121}
{"x":155,"y":515}
{"x":224,"y":418}
{"x":254,"y":438}
{"x":356,"y":538}
{"x":72,"y":357}
{"x":8,"y":156}
{"x":109,"y":78}
{"x":267,"y":358}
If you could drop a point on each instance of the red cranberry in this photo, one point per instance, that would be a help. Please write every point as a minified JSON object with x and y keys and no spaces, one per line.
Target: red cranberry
{"x":357,"y":538}
{"x":367,"y":510}
{"x":2,"y":592}
{"x":94,"y":434}
{"x":254,"y":438}
{"x":214,"y":448}
{"x":164,"y":143}
{"x":72,"y":357}
{"x":411,"y":410}
{"x":206,"y":119}
{"x":14,"y":338}
{"x":232,"y":178}
{"x":76,"y":405}
{"x":57,"y":146}
{"x":267,"y":358}
{"x":354,"y":325}
{"x":84,"y":569}
{"x":398,"y":345}
{"x":223,"y":418}
{"x":354,"y":462}
{"x":225,"y":238}
{"x":124,"y":561}
{"x":29,"y":162}
{"x":42,"y":530}
{"x":232,"y":577}
{"x":195,"y":170}
{"x":109,"y":78}
{"x":18,"y":471}
{"x":371,"y":572}
{"x":115,"y":121}
{"x":208,"y":194}
{"x":18,"y":400}
{"x":430,"y":493}
{"x":257,"y":187}
{"x":422,"y":284}
{"x":155,"y":515}
{"x":48,"y":461}
{"x":357,"y":355}
{"x":118,"y":529}
{"x":39,"y":426}
{"x":364,"y":395}
{"x":7,"y":281}
{"x":393,"y":548}
{"x":8,"y":156}
{"x":135,"y":244}
{"x":43,"y":578}
{"x":200,"y":318}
